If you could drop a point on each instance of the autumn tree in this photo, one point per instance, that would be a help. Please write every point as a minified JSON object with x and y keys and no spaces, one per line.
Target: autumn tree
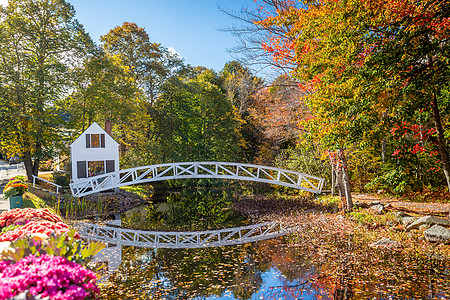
{"x":195,"y":121}
{"x":368,"y":64}
{"x":149,"y":64}
{"x":410,"y":47}
{"x":242,"y":87}
{"x":40,"y":43}
{"x":324,"y":69}
{"x":282,"y":107}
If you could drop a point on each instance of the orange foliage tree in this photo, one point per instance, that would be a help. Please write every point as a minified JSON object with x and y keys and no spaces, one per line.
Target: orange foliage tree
{"x":368,"y":64}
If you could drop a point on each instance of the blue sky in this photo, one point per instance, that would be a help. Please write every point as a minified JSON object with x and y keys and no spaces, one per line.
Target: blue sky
{"x":189,"y":27}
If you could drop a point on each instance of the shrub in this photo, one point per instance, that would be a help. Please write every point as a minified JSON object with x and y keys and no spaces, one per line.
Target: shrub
{"x":61,"y":178}
{"x":66,"y":245}
{"x":41,"y":256}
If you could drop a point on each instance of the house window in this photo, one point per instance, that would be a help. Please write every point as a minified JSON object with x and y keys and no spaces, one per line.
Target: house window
{"x":81,"y":169}
{"x":95,"y":140}
{"x":93,"y":168}
{"x":110,"y":166}
{"x":96,"y":168}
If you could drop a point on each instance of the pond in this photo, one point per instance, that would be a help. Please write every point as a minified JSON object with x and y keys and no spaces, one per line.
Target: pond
{"x":252,"y":271}
{"x":289,"y":267}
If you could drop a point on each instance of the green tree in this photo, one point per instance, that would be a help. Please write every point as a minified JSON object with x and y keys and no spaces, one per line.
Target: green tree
{"x":196,"y":121}
{"x":102,"y":92}
{"x":40,"y":43}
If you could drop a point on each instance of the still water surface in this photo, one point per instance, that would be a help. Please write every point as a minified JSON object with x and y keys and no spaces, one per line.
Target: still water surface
{"x":261,"y":270}
{"x":271,"y":269}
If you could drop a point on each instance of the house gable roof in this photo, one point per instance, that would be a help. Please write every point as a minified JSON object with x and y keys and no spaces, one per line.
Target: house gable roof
{"x":93,"y":129}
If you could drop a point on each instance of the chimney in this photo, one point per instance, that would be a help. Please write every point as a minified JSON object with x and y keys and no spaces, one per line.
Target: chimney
{"x":108,"y":127}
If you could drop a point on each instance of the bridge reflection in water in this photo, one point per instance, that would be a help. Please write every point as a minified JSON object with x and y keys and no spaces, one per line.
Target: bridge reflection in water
{"x":187,"y":239}
{"x":175,"y":240}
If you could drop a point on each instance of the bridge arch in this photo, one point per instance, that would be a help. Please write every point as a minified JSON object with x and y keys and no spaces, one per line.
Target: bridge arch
{"x":183,"y":240}
{"x":187,"y":170}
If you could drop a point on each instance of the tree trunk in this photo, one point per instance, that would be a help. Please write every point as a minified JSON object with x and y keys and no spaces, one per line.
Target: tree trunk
{"x":441,"y":141}
{"x":333,"y":177}
{"x":35,"y":169}
{"x":345,"y":179}
{"x":383,"y":151}
{"x":339,"y":183}
{"x":28,"y":166}
{"x":31,"y":168}
{"x":383,"y":145}
{"x":332,"y":180}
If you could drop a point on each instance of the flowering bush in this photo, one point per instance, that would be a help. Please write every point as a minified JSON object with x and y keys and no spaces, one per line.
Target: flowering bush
{"x":39,"y":255}
{"x":15,"y":186}
{"x":32,"y":227}
{"x":49,"y":276}
{"x":11,"y":217}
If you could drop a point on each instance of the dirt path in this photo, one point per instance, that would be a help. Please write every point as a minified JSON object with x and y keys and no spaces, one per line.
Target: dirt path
{"x":431,"y":208}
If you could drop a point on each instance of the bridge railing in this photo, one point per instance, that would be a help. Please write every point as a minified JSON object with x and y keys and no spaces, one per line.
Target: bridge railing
{"x":194,"y":239}
{"x":187,"y":170}
{"x":35,"y":179}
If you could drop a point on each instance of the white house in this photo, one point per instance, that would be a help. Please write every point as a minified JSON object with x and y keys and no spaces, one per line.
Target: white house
{"x":93,"y":153}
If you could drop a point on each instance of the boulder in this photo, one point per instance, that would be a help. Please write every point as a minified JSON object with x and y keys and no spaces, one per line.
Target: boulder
{"x":437,"y":233}
{"x":408,"y":220}
{"x":428,"y":220}
{"x":400,"y":214}
{"x":378,"y":208}
{"x":386,"y":244}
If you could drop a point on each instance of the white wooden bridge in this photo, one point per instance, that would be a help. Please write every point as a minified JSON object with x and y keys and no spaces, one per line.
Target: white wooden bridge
{"x":192,"y":239}
{"x":187,"y":170}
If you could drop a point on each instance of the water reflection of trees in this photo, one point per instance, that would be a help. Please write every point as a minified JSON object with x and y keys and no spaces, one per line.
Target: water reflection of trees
{"x":188,"y":210}
{"x":336,"y":267}
{"x":212,"y":271}
{"x":190,"y":273}
{"x":353,"y":270}
{"x":186,"y":273}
